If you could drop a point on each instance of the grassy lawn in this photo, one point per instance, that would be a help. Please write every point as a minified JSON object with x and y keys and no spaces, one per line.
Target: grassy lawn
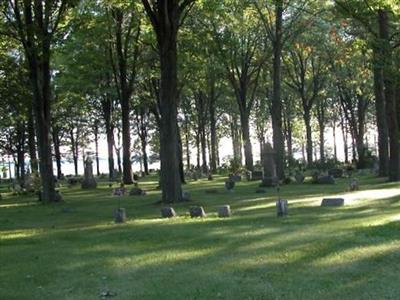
{"x":74,"y":250}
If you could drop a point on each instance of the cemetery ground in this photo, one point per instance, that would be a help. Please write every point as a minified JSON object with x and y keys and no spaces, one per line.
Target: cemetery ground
{"x":74,"y":250}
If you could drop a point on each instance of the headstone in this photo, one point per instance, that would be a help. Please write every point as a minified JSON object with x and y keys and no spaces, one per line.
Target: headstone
{"x":88,"y":181}
{"x":211,"y":191}
{"x":269,"y":177}
{"x":229,"y":185}
{"x":119,"y":191}
{"x":73,"y":181}
{"x":135,"y":191}
{"x":168,"y":212}
{"x":281,"y":208}
{"x":195,"y":176}
{"x":299,"y":177}
{"x":336,"y":172}
{"x":58,"y":196}
{"x":326,"y":180}
{"x":354,"y":185}
{"x":186,"y":196}
{"x":197,"y":212}
{"x":235,"y":177}
{"x":29,"y":184}
{"x":332,"y":202}
{"x":120,"y":215}
{"x":224,"y":211}
{"x":210,"y":177}
{"x":135,"y":177}
{"x":269,"y":161}
{"x":256,"y":175}
{"x":269,"y":182}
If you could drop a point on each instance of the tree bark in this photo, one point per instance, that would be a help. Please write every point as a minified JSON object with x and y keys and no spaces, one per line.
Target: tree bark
{"x":57,"y":153}
{"x":276,"y":105}
{"x":248,"y":152}
{"x":32,"y":142}
{"x":96,"y":142}
{"x":380,"y":108}
{"x":213,"y":133}
{"x":391,"y":105}
{"x":309,"y":144}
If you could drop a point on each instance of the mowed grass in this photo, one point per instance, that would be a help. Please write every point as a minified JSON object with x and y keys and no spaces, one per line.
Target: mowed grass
{"x":75,"y":251}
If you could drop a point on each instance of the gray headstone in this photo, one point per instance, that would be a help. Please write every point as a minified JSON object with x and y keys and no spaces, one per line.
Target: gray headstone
{"x":229,"y":185}
{"x":269,"y":161}
{"x":197,"y":212}
{"x":235,"y":177}
{"x":88,"y":181}
{"x":256,"y":175}
{"x":354,"y":185}
{"x":211,"y":191}
{"x":186,"y":196}
{"x":336,"y":172}
{"x":119,"y":191}
{"x":299,"y":178}
{"x":332,"y":202}
{"x":168,"y":212}
{"x":326,"y":180}
{"x":120,"y":215}
{"x":224,"y":211}
{"x":281,"y":208}
{"x":135,"y":191}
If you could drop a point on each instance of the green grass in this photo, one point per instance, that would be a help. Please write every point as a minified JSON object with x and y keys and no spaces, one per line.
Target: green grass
{"x":74,"y":250}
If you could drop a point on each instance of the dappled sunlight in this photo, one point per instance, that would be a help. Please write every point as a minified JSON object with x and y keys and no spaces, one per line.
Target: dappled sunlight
{"x":18,"y":234}
{"x":342,"y":258}
{"x":23,"y":204}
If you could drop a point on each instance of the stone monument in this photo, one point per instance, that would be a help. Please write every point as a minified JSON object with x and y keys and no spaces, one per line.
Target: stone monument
{"x":270,"y":179}
{"x":88,"y":181}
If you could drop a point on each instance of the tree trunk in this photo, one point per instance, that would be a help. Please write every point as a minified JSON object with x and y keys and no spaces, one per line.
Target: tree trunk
{"x":180,"y":157}
{"x":334,"y":142}
{"x":187,"y":144}
{"x":343,"y":126}
{"x":57,"y":153}
{"x":170,"y":171}
{"x":380,"y":107}
{"x":309,"y":144}
{"x":248,"y":152}
{"x":74,"y":150}
{"x":213,"y":134}
{"x":391,"y":105}
{"x":96,"y":142}
{"x":322,"y":142}
{"x":32,"y":143}
{"x":198,"y":149}
{"x":276,"y":107}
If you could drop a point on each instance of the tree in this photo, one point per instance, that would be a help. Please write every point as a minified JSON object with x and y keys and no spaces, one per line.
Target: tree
{"x":125,"y":29}
{"x":166,"y":17}
{"x":35,"y":24}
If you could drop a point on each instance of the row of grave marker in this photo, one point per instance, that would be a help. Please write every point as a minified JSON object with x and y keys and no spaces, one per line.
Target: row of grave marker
{"x":224,"y":211}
